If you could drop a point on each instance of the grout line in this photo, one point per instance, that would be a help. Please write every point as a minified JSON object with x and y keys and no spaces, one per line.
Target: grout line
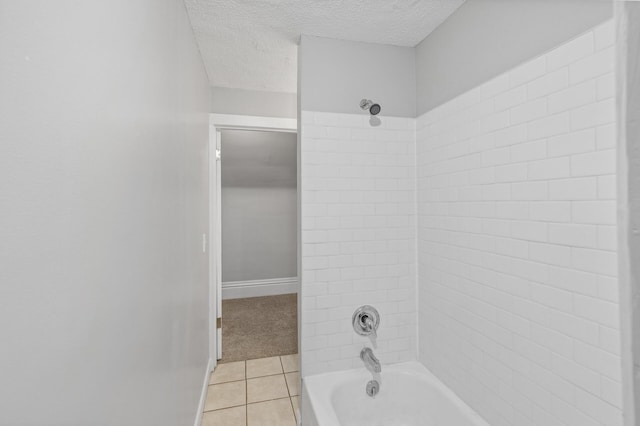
{"x":224,"y":383}
{"x":224,"y":408}
{"x":267,"y":375}
{"x":287,"y":385}
{"x":268,"y":400}
{"x":294,"y":410}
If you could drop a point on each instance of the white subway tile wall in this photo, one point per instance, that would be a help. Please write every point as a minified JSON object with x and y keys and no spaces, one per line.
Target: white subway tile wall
{"x":518,"y":297}
{"x":358,"y":237}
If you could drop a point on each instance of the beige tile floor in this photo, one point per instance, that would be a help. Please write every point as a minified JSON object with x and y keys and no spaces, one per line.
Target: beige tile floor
{"x":257,"y":392}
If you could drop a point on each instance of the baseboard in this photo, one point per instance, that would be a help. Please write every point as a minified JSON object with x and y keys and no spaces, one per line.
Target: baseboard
{"x":257,"y":288}
{"x":203,"y":395}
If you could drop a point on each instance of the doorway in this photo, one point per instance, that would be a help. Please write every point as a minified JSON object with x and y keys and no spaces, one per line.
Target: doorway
{"x":254,"y":223}
{"x":259,"y":244}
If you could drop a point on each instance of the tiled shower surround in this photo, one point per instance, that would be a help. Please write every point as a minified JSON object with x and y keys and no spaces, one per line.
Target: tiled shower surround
{"x":358,"y":237}
{"x":516,"y":288}
{"x":517,"y":241}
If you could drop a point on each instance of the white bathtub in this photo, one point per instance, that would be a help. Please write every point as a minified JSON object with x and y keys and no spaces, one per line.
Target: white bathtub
{"x":409,"y":396}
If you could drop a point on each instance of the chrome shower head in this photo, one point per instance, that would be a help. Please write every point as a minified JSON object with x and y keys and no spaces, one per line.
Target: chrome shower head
{"x":374,"y":109}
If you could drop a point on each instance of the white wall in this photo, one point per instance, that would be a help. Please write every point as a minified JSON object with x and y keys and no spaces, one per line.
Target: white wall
{"x":259,"y":233}
{"x":225,"y":100}
{"x":103,"y":182}
{"x":518,"y":309}
{"x":259,"y":205}
{"x":358,"y":237}
{"x":336,"y":74}
{"x":483,"y":38}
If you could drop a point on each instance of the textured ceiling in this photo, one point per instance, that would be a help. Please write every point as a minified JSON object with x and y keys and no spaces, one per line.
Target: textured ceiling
{"x":252,"y":44}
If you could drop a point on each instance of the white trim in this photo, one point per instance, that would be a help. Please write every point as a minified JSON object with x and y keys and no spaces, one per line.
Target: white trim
{"x":203,"y":394}
{"x":229,"y":121}
{"x":219,"y":337}
{"x":625,"y":175}
{"x":214,"y":247}
{"x":218,"y":256}
{"x":256,"y":288}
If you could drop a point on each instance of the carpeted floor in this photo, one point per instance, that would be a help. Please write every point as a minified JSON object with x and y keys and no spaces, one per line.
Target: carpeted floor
{"x":259,"y":327}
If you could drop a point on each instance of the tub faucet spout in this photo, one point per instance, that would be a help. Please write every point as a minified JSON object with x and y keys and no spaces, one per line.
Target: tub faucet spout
{"x":370,"y":361}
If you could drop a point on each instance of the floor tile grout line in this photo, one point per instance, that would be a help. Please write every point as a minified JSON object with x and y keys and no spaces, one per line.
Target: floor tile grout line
{"x":293,"y":408}
{"x":290,"y":398}
{"x":286,"y":382}
{"x":224,"y":408}
{"x":268,"y":375}
{"x":298,"y":369}
{"x":251,"y":378}
{"x":247,"y":404}
{"x":224,"y":383}
{"x":268,"y":400}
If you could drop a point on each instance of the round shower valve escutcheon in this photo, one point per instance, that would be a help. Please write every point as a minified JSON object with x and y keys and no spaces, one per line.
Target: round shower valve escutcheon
{"x":366,"y":320}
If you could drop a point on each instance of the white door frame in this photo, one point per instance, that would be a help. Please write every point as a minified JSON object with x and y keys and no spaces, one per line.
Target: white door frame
{"x":213,"y":247}
{"x":218,"y":122}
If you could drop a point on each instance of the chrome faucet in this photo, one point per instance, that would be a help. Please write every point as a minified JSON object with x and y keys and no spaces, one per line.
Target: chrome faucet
{"x":366,"y":321}
{"x":370,"y":361}
{"x":370,"y":327}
